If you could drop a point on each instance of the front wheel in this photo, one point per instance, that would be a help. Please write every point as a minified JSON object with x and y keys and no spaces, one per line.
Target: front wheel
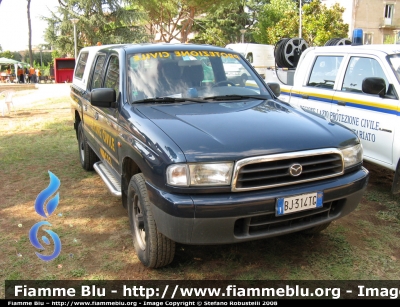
{"x":153,"y":249}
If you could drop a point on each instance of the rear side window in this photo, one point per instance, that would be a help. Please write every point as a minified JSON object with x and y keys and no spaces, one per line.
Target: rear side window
{"x":80,"y":66}
{"x":96,"y":80}
{"x":324,"y":71}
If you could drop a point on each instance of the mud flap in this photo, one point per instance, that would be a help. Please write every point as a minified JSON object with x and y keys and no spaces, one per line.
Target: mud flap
{"x":396,"y":180}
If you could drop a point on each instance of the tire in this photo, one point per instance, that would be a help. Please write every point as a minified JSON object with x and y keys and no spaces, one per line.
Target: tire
{"x":153,"y":249}
{"x":86,"y":154}
{"x":316,"y":229}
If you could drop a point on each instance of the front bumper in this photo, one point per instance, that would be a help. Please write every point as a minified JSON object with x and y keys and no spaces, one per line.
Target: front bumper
{"x":238,"y":217}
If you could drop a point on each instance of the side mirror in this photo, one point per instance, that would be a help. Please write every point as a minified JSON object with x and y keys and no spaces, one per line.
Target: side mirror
{"x":103,"y":97}
{"x":374,"y":86}
{"x":275,"y":88}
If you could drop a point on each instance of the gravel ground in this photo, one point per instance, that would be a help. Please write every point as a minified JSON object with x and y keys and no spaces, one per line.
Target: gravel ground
{"x":43,"y":91}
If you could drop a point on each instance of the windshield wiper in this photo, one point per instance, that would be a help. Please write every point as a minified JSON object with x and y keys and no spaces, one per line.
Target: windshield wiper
{"x":167,"y":100}
{"x":235,"y":97}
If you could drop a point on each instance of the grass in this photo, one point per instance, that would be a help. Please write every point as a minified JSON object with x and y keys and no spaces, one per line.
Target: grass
{"x":94,"y":228}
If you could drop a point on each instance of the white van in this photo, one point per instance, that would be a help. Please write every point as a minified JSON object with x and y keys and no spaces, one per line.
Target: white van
{"x":260,"y":56}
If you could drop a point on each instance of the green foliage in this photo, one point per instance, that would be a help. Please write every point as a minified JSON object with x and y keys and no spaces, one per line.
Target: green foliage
{"x":212,"y":36}
{"x":7,"y":54}
{"x":101,"y":21}
{"x":270,"y":15}
{"x":167,"y":20}
{"x":222,"y":24}
{"x":54,"y":55}
{"x":213,"y":22}
{"x":319,"y":24}
{"x":388,"y":39}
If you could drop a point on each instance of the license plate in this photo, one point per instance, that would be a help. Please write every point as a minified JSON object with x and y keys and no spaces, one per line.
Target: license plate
{"x":286,"y":205}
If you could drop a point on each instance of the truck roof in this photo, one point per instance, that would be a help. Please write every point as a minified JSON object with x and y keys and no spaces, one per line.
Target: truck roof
{"x":154,"y":47}
{"x":385,"y":48}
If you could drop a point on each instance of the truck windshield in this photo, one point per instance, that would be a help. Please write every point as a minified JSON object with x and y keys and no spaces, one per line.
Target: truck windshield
{"x":191,"y":74}
{"x":394,"y":61}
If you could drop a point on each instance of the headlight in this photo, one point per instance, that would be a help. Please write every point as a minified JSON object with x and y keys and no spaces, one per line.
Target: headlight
{"x":200,"y":174}
{"x":352,"y":155}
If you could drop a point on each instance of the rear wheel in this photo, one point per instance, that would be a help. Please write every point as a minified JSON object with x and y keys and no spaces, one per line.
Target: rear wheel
{"x":316,"y":229}
{"x":153,"y":249}
{"x":86,"y":154}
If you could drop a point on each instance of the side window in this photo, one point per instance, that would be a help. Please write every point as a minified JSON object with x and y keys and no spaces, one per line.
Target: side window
{"x":112,"y":74}
{"x":96,"y":80}
{"x":358,"y":69}
{"x":368,"y":38}
{"x":324,"y":71}
{"x":80,"y":66}
{"x":249,"y":57}
{"x":388,"y":16}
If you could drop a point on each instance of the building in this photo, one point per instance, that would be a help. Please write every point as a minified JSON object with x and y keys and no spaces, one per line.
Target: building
{"x":379,"y":20}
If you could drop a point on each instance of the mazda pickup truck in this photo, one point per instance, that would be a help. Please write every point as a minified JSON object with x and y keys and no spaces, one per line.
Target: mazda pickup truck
{"x":197,"y":158}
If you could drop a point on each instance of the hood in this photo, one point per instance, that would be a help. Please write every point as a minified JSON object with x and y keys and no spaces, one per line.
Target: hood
{"x":212,"y":131}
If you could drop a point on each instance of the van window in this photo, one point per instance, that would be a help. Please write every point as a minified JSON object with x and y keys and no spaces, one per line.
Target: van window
{"x":324,"y":71}
{"x":80,"y":66}
{"x":112,"y":74}
{"x":96,"y":80}
{"x":249,"y":57}
{"x":358,"y":69}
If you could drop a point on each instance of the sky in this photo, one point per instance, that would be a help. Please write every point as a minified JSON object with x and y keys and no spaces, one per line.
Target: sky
{"x":14,"y":23}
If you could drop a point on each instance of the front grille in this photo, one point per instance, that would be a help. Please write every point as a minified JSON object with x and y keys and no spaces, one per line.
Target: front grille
{"x":273,"y":170}
{"x":270,"y":223}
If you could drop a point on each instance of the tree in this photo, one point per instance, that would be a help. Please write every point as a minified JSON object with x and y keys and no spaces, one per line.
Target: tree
{"x":7,"y":54}
{"x":319,"y":25}
{"x":174,"y":19}
{"x":322,"y":23}
{"x":104,"y":21}
{"x":269,"y":15}
{"x":28,"y":9}
{"x":222,"y":23}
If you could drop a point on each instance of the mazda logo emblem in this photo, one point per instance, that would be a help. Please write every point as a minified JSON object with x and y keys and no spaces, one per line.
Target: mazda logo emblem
{"x":295,"y":169}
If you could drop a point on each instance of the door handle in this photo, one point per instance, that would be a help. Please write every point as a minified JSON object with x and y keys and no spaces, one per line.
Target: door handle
{"x":341,"y":103}
{"x":304,"y":96}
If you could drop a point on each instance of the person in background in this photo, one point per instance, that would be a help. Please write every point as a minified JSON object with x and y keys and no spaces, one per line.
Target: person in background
{"x":20,"y":74}
{"x":8,"y":71}
{"x":38,"y":74}
{"x":26,"y":75}
{"x":32,"y":75}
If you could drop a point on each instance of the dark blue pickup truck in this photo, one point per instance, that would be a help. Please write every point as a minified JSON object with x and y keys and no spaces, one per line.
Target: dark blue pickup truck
{"x":200,"y":159}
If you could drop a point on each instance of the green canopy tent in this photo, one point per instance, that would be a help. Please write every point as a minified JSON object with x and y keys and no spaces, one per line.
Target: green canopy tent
{"x":8,"y":62}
